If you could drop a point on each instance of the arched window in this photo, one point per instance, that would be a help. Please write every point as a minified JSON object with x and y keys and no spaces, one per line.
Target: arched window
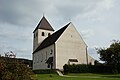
{"x":49,"y":34}
{"x":51,"y":51}
{"x":43,"y":34}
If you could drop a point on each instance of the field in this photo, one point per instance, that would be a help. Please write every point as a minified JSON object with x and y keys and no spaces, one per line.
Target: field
{"x":82,"y":76}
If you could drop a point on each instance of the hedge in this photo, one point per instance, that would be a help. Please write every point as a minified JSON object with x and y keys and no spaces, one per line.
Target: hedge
{"x":44,"y":71}
{"x":82,"y":68}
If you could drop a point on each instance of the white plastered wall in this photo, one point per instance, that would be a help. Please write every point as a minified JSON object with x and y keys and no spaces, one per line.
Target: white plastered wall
{"x":91,"y":60}
{"x":70,"y":45}
{"x":40,"y":58}
{"x":39,"y":38}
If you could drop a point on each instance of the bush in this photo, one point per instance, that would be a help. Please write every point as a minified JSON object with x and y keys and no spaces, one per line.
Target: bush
{"x":82,"y":68}
{"x":12,"y":69}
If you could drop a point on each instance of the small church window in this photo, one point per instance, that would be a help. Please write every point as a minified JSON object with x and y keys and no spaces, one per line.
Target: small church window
{"x":49,"y":34}
{"x":51,"y":51}
{"x":43,"y":34}
{"x":42,"y":57}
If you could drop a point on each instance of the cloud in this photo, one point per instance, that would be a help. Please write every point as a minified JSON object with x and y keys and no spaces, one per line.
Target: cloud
{"x":17,"y":12}
{"x":69,"y":10}
{"x":14,"y":38}
{"x":87,"y":33}
{"x":24,"y":13}
{"x":23,"y":53}
{"x":97,"y":20}
{"x":107,"y":4}
{"x":92,"y":52}
{"x":14,"y":32}
{"x":20,"y":52}
{"x":81,"y":7}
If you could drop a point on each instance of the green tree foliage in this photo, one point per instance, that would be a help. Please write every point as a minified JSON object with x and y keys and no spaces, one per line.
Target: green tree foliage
{"x":12,"y":69}
{"x":111,"y":55}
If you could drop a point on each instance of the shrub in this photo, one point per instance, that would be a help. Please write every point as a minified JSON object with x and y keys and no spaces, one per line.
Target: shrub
{"x":12,"y":69}
{"x":82,"y":68}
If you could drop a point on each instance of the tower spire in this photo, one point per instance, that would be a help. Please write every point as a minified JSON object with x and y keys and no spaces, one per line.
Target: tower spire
{"x":44,"y":24}
{"x":42,"y":31}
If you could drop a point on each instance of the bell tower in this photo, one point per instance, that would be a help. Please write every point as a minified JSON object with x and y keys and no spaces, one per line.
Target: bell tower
{"x":42,"y":31}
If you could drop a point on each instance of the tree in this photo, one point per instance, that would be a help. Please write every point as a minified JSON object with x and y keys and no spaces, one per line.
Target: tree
{"x":111,"y":55}
{"x":12,"y":69}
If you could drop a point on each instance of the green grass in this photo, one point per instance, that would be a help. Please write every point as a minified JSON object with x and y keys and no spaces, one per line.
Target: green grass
{"x":82,"y":76}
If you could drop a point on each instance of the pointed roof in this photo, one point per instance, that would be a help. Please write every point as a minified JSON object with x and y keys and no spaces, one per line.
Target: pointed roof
{"x":44,"y":24}
{"x":51,"y":39}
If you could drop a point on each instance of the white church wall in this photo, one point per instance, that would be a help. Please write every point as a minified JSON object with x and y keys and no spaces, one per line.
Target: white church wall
{"x":70,"y":46}
{"x":35,"y":40}
{"x":41,"y":57}
{"x":91,"y":60}
{"x":40,"y":37}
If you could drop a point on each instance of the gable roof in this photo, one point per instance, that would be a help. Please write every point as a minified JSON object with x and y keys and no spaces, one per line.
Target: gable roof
{"x":44,"y":24}
{"x":51,"y":39}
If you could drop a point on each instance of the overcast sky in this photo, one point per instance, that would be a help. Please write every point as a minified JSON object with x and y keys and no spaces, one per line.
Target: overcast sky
{"x":98,"y":22}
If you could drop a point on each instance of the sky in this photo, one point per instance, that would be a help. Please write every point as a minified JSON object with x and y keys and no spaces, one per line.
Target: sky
{"x":97,"y":21}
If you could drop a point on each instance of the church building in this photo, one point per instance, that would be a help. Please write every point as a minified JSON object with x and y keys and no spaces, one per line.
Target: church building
{"x":52,"y":50}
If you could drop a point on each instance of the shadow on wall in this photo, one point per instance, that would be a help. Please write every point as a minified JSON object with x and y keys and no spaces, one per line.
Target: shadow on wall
{"x":50,"y":62}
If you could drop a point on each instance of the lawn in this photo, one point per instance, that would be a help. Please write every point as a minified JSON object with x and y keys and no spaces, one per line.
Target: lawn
{"x":82,"y":76}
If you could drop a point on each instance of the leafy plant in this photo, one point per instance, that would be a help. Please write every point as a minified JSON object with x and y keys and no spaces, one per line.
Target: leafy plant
{"x":12,"y":69}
